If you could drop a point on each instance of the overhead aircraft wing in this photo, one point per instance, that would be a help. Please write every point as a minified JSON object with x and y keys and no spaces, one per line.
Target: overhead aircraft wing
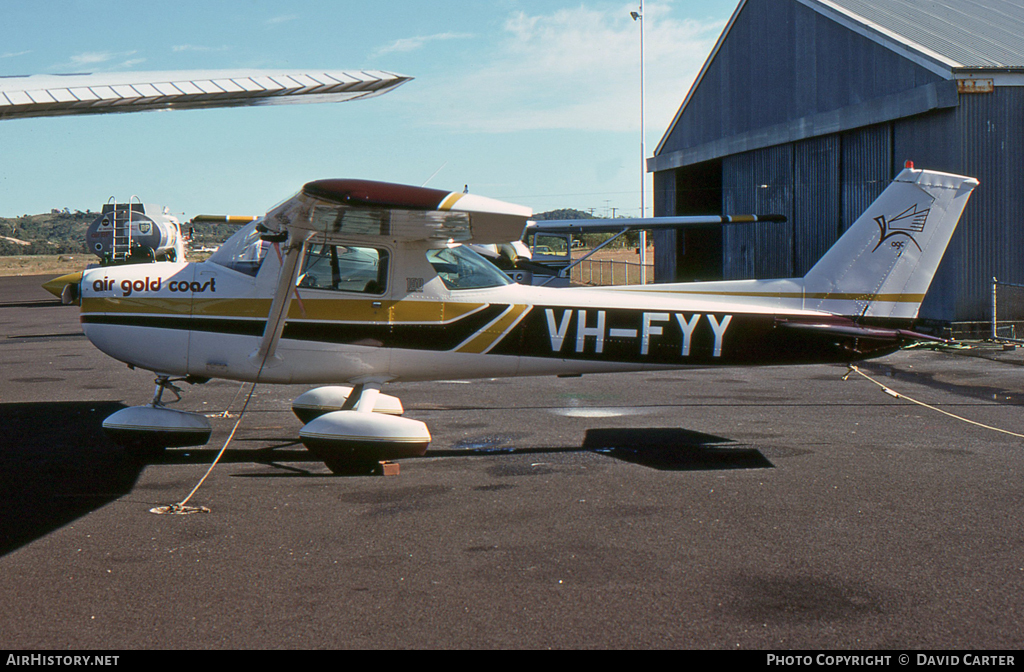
{"x":367,"y":209}
{"x":100,"y":93}
{"x":579,"y":226}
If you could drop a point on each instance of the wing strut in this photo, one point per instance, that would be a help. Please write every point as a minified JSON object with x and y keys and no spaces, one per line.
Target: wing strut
{"x":282,"y":300}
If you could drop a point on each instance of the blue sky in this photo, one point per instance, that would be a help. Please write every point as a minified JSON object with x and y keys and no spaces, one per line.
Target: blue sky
{"x":534,"y":102}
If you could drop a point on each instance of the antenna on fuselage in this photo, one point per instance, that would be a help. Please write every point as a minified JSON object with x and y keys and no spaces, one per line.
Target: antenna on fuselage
{"x":435,"y":174}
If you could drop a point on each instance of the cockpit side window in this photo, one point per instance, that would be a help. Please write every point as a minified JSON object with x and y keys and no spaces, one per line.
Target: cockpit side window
{"x":243,"y":252}
{"x":345,"y":269}
{"x":461,"y":268}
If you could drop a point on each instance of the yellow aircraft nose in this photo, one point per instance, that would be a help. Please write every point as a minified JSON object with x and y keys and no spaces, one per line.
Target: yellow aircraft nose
{"x":65,"y":287}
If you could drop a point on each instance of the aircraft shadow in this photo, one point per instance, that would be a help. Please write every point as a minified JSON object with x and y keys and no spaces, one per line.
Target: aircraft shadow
{"x":57,"y":465}
{"x":665,"y":449}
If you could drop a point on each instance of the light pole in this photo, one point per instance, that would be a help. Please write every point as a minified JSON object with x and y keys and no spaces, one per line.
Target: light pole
{"x":639,"y":16}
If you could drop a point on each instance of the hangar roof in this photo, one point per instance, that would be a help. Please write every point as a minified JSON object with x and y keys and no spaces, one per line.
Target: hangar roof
{"x":958,"y":33}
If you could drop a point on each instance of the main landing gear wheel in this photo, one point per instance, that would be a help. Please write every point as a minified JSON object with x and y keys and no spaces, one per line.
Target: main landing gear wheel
{"x":312,"y":404}
{"x":154,"y":427}
{"x":356,"y":441}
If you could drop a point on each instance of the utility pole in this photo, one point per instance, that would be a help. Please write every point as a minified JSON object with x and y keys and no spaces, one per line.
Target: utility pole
{"x":639,"y":16}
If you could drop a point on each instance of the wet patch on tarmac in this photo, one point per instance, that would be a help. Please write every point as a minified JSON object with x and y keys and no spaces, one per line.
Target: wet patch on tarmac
{"x":636,"y":511}
{"x":391,"y":502}
{"x":776,"y":452}
{"x":490,"y":443}
{"x":808,"y":600}
{"x":37,"y":379}
{"x":493,"y":488}
{"x":518,"y":469}
{"x":999,"y":395}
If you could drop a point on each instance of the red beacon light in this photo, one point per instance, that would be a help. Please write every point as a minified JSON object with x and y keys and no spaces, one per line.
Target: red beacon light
{"x":910,"y":165}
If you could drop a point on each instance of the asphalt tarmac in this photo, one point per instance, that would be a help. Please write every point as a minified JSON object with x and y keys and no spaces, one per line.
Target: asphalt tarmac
{"x":774,"y":508}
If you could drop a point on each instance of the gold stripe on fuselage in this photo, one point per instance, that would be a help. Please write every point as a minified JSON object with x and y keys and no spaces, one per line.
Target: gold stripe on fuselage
{"x":149,"y":306}
{"x":449,"y":201}
{"x":818,"y":296}
{"x":326,"y":310}
{"x":488,"y":337}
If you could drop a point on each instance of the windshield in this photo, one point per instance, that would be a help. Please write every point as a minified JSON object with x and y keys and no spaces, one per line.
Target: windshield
{"x":242,"y":252}
{"x":462,"y":268}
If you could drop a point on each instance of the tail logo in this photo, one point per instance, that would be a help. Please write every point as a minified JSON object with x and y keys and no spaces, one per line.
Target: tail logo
{"x":909,"y":222}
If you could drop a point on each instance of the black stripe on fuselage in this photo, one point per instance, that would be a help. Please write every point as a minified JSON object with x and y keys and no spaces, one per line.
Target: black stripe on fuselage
{"x":670,"y":337}
{"x":591,"y":334}
{"x":435,"y":337}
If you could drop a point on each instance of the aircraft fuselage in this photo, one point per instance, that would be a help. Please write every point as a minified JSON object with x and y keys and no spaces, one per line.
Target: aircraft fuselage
{"x":205,"y":320}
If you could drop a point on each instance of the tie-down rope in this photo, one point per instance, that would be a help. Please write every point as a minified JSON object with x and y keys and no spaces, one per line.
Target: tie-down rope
{"x":180,"y":508}
{"x":896,"y":395}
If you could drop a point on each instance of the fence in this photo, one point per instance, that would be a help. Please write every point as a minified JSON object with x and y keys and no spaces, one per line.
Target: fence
{"x":608,"y":272}
{"x":1007,"y":311}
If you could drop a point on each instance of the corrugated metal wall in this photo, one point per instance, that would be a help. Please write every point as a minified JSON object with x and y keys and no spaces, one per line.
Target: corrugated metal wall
{"x":821,"y":185}
{"x":866,"y":169}
{"x":817,"y":212}
{"x":992,"y":231}
{"x":783,"y":61}
{"x":759,"y":182}
{"x":984,"y":138}
{"x":933,"y":141}
{"x":665,"y":241}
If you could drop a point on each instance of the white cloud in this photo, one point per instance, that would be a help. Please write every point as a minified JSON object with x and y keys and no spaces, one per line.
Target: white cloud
{"x":95,"y":57}
{"x":285,"y":18}
{"x":579,"y":69}
{"x":195,"y":47}
{"x":14,"y":54}
{"x":408,"y":44}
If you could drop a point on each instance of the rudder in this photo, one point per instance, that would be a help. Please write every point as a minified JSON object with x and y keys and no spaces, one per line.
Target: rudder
{"x":883,"y":265}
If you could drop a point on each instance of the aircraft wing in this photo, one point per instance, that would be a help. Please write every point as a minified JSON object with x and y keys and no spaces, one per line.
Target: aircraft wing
{"x":366,"y":209}
{"x":59,"y":95}
{"x":399,"y":212}
{"x":579,"y":226}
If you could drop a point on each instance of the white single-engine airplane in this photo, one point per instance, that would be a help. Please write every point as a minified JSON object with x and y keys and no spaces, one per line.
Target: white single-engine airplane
{"x":353,"y":284}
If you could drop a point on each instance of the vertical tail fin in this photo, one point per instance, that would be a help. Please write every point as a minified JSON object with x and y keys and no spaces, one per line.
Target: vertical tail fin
{"x":883,"y":265}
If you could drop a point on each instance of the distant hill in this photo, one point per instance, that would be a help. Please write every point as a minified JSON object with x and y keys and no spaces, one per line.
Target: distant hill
{"x":60,"y":232}
{"x":564,"y":213}
{"x":63,"y":232}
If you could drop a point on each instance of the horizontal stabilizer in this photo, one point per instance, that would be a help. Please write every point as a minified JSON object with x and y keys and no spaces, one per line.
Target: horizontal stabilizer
{"x":581,"y":226}
{"x":849,"y":328}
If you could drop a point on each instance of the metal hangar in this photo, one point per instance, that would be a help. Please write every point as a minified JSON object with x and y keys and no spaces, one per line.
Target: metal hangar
{"x":808,"y":108}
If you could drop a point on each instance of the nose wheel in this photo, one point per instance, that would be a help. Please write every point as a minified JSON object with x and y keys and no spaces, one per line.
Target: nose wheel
{"x":155,"y":427}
